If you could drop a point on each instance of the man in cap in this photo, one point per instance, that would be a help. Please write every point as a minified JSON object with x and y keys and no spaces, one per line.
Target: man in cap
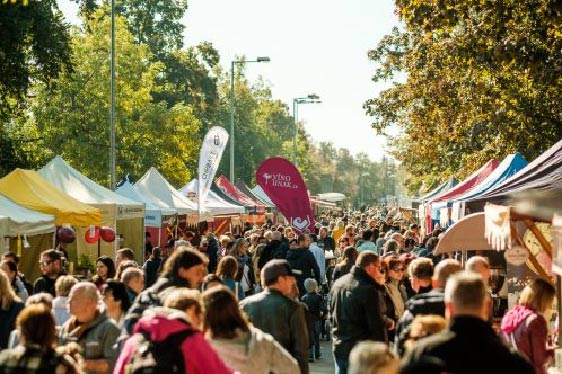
{"x":275,"y":312}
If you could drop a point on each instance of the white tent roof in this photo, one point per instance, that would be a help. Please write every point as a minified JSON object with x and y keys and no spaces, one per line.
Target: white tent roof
{"x":156,"y":187}
{"x":72,"y":182}
{"x":153,"y":211}
{"x":331,"y":197}
{"x":216,"y":205}
{"x":16,"y":219}
{"x":262,"y":195}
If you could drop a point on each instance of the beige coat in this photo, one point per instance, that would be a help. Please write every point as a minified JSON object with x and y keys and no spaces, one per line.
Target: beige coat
{"x":255,"y":353}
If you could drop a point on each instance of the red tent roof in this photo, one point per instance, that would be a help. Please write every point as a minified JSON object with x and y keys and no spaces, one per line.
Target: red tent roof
{"x":224,"y":184}
{"x":469,"y":183}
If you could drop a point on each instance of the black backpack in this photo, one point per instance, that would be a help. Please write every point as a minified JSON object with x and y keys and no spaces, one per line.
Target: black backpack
{"x":154,"y":357}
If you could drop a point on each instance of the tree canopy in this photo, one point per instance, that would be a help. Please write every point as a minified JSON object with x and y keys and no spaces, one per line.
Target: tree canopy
{"x":473,"y":80}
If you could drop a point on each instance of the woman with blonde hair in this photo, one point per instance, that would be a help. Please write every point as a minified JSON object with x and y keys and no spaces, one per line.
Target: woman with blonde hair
{"x":241,"y":346}
{"x":525,"y":327}
{"x":10,"y":307}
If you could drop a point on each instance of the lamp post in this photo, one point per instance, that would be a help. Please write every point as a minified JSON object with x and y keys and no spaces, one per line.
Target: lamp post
{"x":310,"y":99}
{"x":232,"y":64}
{"x":112,"y":115}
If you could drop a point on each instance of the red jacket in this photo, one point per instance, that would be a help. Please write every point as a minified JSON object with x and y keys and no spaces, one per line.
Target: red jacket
{"x":526,"y":331}
{"x":199,"y":356}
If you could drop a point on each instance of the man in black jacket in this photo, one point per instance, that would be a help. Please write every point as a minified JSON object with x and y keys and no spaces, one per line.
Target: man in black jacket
{"x":469,"y":345}
{"x":355,"y":309}
{"x":270,"y":249}
{"x":304,"y":262}
{"x":432,"y":302}
{"x":51,"y":267}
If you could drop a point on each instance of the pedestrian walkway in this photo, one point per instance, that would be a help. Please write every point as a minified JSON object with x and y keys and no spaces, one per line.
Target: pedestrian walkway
{"x":324,"y":365}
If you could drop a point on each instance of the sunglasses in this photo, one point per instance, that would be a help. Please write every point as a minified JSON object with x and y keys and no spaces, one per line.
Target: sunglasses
{"x":398,"y":269}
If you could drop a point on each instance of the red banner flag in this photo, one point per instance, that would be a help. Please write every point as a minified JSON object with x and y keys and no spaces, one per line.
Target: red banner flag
{"x":282,"y":182}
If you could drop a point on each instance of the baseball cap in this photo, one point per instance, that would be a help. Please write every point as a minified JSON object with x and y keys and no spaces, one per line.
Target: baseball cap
{"x":276,"y":268}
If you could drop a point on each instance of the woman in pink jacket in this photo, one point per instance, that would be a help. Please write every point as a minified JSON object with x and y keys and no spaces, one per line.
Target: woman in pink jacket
{"x":159,"y":323}
{"x":524,"y":327}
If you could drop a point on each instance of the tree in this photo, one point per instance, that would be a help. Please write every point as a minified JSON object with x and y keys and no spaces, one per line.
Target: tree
{"x":73,"y":114}
{"x":481,"y":82}
{"x":34,"y":47}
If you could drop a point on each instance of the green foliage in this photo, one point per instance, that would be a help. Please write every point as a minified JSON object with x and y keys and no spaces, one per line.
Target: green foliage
{"x":34,"y":47}
{"x":481,"y":80}
{"x":73,"y":114}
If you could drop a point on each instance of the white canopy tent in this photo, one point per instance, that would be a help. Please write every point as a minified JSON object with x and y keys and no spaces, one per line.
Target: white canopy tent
{"x":119,"y":212}
{"x":261,"y":194}
{"x":153,"y":185}
{"x":16,"y":219}
{"x":153,"y":211}
{"x":332,"y":197}
{"x":72,"y":182}
{"x":216,"y":205}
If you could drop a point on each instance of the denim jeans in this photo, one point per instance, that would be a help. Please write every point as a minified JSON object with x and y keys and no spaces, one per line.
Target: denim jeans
{"x":341,"y":365}
{"x":315,"y":349}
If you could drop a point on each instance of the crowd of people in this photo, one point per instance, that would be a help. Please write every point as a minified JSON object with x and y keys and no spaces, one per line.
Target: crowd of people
{"x":261,"y":301}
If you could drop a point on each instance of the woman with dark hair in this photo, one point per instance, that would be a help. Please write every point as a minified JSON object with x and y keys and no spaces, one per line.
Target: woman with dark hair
{"x":242,"y":347}
{"x":151,"y":267}
{"x":105,"y":269}
{"x":344,"y":267}
{"x":36,"y":354}
{"x":116,"y":301}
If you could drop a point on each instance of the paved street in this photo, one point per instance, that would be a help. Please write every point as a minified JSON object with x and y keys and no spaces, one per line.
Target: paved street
{"x":324,"y":365}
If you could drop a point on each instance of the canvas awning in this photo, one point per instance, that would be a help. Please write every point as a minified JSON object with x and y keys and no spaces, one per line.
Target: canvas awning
{"x":446,"y":186}
{"x":248,"y":192}
{"x":69,"y":180}
{"x":28,"y":188}
{"x":224,"y":184}
{"x":257,"y":190}
{"x":17,"y":219}
{"x":469,"y":183}
{"x":153,"y":212}
{"x":464,"y":235}
{"x":157,"y":188}
{"x":543,"y":173}
{"x":214,"y":203}
{"x":507,"y":168}
{"x":332,"y":197}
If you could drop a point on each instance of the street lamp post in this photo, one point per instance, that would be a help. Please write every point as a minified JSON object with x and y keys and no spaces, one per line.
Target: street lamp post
{"x":310,"y":99}
{"x":112,"y":112}
{"x":232,"y":64}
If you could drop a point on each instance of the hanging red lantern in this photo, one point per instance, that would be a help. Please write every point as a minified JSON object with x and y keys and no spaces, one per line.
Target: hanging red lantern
{"x":92,"y":236}
{"x":107,"y":234}
{"x":66,"y":235}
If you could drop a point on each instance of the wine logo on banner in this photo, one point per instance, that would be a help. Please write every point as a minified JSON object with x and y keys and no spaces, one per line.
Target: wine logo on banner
{"x":282,"y":182}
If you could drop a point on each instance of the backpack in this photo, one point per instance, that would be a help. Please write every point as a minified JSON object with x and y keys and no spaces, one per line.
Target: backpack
{"x":154,"y":357}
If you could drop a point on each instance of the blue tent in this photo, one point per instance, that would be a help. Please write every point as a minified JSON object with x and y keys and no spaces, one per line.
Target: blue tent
{"x":507,"y":168}
{"x":449,"y":183}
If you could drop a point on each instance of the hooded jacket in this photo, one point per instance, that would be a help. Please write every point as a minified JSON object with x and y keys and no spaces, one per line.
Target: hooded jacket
{"x":526,"y":330}
{"x":255,"y":352}
{"x":199,"y":356}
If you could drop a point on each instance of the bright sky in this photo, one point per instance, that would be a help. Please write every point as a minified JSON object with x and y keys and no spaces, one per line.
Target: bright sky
{"x":315,"y":46}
